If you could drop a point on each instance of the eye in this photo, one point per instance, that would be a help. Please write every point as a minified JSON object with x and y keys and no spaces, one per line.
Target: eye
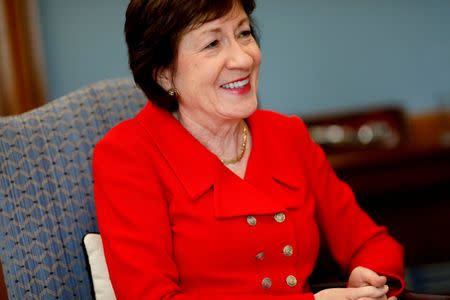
{"x":245,"y":34}
{"x":212,"y":45}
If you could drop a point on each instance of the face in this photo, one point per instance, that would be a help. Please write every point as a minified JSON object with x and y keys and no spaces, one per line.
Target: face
{"x":217,"y":70}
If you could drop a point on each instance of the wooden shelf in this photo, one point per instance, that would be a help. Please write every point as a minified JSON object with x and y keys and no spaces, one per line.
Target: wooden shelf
{"x":381,"y":171}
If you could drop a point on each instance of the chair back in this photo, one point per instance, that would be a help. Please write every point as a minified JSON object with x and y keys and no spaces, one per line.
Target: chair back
{"x":46,"y":190}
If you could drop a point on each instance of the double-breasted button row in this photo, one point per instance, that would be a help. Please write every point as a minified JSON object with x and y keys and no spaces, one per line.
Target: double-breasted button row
{"x":291,"y":281}
{"x":288,"y":250}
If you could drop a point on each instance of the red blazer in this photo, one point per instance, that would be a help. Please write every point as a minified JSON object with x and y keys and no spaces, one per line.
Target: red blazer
{"x":177,"y":224}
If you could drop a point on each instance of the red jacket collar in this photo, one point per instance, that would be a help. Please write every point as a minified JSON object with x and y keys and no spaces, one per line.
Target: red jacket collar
{"x":269,"y":171}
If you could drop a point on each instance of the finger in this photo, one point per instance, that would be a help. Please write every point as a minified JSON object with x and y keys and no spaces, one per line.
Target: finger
{"x":369,"y":291}
{"x":373,"y":278}
{"x":371,"y":298}
{"x":379,"y":281}
{"x":392,"y":298}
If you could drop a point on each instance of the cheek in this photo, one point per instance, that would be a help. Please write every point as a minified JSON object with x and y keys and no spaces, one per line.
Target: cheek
{"x":186,"y":79}
{"x":200,"y":74}
{"x":256,"y":55}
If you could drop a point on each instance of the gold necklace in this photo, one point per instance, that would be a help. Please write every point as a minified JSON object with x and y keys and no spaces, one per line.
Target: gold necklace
{"x":243,"y":147}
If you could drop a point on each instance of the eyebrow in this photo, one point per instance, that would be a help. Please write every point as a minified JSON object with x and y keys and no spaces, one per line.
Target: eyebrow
{"x":219,"y":29}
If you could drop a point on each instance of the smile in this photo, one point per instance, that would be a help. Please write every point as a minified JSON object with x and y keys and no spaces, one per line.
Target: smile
{"x":236,"y":84}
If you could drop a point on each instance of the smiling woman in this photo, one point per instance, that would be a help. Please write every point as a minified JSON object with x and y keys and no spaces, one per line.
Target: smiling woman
{"x":204,"y":196}
{"x":216,"y":77}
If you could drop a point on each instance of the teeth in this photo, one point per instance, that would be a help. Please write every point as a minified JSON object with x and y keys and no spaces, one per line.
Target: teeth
{"x":236,"y":84}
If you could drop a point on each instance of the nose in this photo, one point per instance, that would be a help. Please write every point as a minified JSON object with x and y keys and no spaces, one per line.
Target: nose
{"x":239,"y":57}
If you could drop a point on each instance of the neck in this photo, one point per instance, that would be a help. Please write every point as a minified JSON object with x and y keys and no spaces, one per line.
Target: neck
{"x":224,"y":138}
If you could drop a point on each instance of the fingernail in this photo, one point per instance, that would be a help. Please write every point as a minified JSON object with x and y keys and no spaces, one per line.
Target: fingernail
{"x":386,"y":287}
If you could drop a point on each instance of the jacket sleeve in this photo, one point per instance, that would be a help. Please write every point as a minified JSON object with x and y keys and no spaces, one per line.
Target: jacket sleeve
{"x":134,"y":223}
{"x":354,"y":239}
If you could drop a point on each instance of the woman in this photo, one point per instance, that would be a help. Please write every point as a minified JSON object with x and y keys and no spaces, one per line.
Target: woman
{"x":201,"y":195}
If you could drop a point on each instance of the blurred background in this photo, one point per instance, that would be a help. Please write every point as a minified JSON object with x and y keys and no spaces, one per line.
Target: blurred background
{"x":370,"y":78}
{"x":318,"y":56}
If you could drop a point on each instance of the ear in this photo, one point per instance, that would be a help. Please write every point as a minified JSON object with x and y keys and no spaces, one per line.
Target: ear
{"x":164,"y":78}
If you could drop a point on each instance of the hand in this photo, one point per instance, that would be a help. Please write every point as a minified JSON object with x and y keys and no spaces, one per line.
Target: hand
{"x":361,"y":277}
{"x":358,"y":293}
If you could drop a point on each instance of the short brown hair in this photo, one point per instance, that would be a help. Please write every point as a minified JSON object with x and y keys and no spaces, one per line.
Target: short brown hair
{"x":153,"y":29}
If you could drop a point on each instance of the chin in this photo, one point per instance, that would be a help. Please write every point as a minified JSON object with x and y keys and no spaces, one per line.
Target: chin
{"x":240,"y":109}
{"x":248,"y":110}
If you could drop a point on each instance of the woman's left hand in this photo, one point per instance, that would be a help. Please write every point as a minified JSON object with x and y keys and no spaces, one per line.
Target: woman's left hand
{"x":361,"y":276}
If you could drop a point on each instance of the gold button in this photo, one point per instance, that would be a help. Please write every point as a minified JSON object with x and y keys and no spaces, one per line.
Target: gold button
{"x":279,"y":217}
{"x":291,"y":280}
{"x":251,"y":220}
{"x":266,"y":283}
{"x":288,"y":250}
{"x":260,"y":256}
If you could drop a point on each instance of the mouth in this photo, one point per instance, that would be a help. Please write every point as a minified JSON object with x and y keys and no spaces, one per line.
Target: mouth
{"x":239,"y":86}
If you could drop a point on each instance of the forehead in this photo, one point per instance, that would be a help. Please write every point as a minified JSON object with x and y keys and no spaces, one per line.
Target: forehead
{"x":234,"y":17}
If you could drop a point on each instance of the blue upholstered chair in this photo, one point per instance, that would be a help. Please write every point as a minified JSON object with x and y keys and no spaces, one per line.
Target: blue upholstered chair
{"x":46,"y":194}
